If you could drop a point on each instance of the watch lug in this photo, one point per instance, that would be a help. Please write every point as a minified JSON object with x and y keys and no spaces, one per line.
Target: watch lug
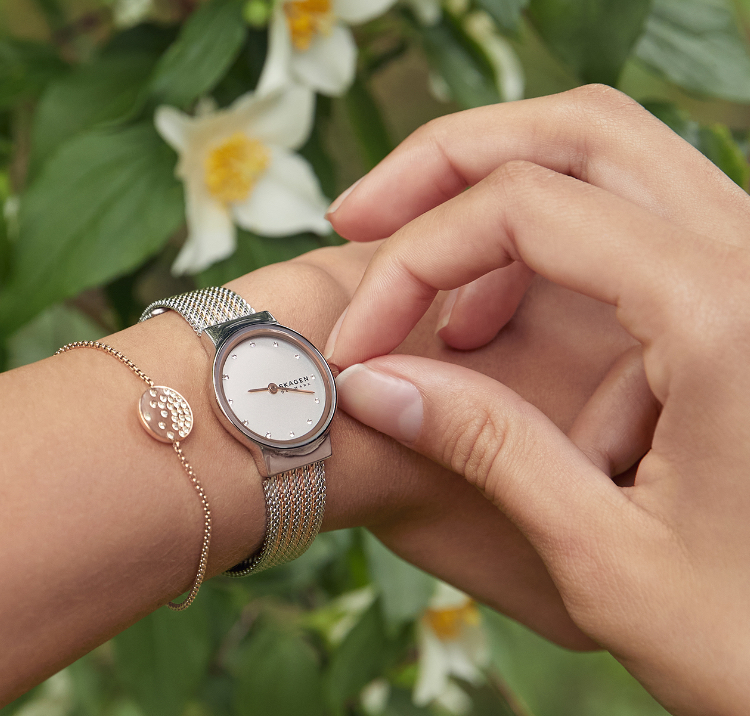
{"x":209,"y":341}
{"x":219,"y":331}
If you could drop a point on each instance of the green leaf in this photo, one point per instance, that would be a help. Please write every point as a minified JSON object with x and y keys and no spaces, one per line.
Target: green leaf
{"x":594,"y":37}
{"x":553,"y":681}
{"x":698,"y":45}
{"x":243,"y":75}
{"x":51,"y":329}
{"x":16,"y":705}
{"x":460,"y":63}
{"x":404,"y":589}
{"x":715,"y":141}
{"x":107,"y":90}
{"x":104,"y":203}
{"x":315,"y":151}
{"x":277,"y":674}
{"x":368,"y":123}
{"x":25,"y":68}
{"x":362,"y":656}
{"x":207,"y":46}
{"x":162,"y":659}
{"x":5,"y":244}
{"x":506,"y":13}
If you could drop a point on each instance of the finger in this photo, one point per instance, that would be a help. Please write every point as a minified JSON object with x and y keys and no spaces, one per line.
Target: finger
{"x":573,"y":234}
{"x":615,"y":427}
{"x":593,"y":133}
{"x":472,"y":315}
{"x":484,"y":431}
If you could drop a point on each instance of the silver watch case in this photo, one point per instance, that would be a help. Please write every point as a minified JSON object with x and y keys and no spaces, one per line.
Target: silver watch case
{"x":271,"y":456}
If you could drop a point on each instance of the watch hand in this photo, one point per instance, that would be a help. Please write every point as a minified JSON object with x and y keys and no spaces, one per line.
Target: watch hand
{"x":273,"y":388}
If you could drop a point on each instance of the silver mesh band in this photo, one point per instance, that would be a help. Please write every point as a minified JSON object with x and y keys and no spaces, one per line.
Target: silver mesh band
{"x":295,"y":500}
{"x":295,"y":503}
{"x":202,"y":308}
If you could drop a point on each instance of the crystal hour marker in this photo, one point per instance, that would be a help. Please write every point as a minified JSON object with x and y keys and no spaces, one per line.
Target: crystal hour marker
{"x":234,"y":356}
{"x":225,"y":376}
{"x":309,"y":421}
{"x":317,"y":400}
{"x":291,"y":435}
{"x":275,"y":344}
{"x":268,"y":435}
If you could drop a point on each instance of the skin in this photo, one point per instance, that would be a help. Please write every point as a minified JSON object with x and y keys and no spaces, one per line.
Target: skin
{"x":589,"y":191}
{"x":103,"y":518}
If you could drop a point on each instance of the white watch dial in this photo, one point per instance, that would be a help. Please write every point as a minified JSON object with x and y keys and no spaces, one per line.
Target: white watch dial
{"x":274,"y":387}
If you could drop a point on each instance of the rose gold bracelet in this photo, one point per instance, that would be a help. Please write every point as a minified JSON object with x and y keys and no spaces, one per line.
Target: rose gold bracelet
{"x":167,"y":417}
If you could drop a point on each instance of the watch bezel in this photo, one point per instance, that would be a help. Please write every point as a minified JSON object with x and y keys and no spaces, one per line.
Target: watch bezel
{"x":241,"y":331}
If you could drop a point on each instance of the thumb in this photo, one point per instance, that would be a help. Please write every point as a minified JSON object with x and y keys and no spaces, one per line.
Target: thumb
{"x":500,"y":443}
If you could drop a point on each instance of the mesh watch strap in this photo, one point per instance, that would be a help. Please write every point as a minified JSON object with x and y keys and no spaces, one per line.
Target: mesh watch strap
{"x":295,"y":499}
{"x":202,"y":308}
{"x":295,"y":503}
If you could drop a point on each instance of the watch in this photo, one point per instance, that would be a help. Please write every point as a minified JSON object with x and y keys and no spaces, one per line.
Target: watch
{"x":276,"y":394}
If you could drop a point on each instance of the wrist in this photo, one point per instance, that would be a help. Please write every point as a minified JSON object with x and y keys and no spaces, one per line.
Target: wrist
{"x":168,"y":350}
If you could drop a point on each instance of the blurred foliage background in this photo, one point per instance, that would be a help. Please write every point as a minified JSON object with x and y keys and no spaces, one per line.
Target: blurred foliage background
{"x":93,"y":218}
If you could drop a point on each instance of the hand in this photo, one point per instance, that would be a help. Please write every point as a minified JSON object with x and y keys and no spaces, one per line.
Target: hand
{"x":656,"y":572}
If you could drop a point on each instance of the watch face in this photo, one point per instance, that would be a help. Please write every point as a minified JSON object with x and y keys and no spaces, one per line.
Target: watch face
{"x":274,"y":386}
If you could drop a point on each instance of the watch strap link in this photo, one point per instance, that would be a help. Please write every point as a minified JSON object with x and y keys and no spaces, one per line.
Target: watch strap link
{"x":295,"y":504}
{"x":202,"y":308}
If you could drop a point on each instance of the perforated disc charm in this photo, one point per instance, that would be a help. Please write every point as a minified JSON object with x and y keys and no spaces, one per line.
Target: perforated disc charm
{"x":165,"y":414}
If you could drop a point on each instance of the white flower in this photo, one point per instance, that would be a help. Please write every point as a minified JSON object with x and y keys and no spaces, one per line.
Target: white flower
{"x":238,"y":166}
{"x":310,"y":43}
{"x":428,"y":12}
{"x":128,"y":13}
{"x":505,"y":63}
{"x":374,"y":697}
{"x":451,"y":642}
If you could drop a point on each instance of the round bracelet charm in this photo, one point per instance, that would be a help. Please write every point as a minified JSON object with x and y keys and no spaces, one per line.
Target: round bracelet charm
{"x":165,"y":414}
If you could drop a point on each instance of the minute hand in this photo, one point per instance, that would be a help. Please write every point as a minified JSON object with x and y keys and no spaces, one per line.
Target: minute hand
{"x":273,"y":388}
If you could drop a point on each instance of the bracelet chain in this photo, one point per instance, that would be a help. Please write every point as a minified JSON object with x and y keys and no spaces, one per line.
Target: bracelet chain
{"x":186,"y":466}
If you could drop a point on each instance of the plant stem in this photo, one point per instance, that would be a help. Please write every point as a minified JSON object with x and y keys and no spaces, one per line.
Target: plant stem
{"x":511,"y":699}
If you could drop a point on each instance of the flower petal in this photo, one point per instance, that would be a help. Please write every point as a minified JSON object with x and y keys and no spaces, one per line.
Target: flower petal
{"x":455,"y":700}
{"x":276,"y":70}
{"x":284,"y":117}
{"x":446,"y":596}
{"x":355,"y":11}
{"x":173,"y":126}
{"x":459,"y":662}
{"x":432,"y":669}
{"x":330,"y":63}
{"x":428,"y":12}
{"x":286,"y":200}
{"x":211,"y":234}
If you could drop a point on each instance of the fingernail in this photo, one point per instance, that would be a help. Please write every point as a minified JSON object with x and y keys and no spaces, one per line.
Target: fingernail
{"x":331,"y":342}
{"x":446,"y":309}
{"x":340,"y":199}
{"x":389,"y":404}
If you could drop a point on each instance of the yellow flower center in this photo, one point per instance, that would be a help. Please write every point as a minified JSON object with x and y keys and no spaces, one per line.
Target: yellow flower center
{"x":448,"y":623}
{"x":307,"y":18}
{"x":234,"y":166}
